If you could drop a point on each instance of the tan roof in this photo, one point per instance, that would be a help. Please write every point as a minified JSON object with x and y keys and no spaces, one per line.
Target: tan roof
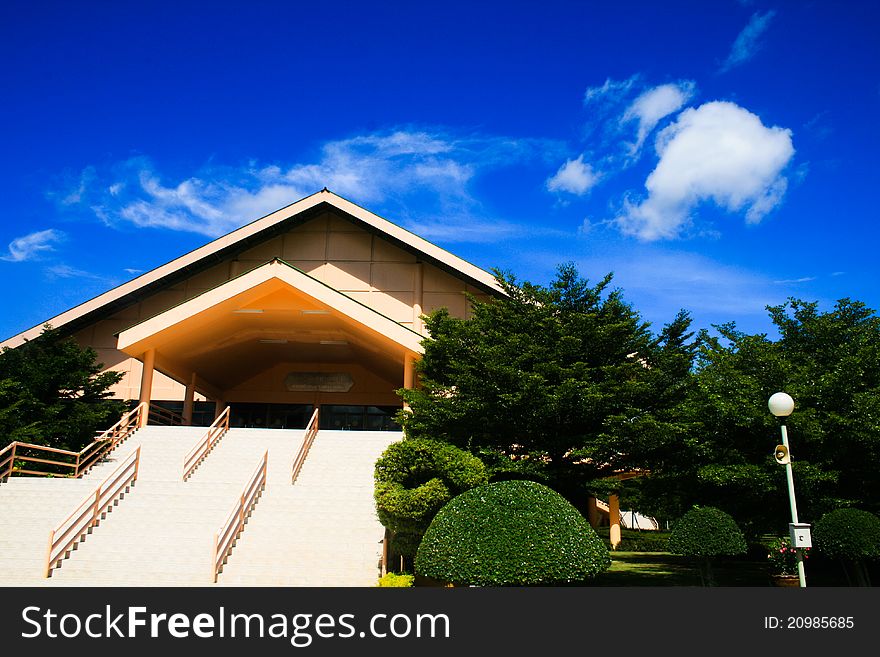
{"x":146,"y":284}
{"x":230,"y":297}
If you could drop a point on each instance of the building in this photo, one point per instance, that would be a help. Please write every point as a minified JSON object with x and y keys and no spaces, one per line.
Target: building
{"x":315,"y":305}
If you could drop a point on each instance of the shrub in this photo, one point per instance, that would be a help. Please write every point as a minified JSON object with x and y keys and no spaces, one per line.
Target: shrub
{"x":635,"y":540}
{"x":853,"y":537}
{"x":510,"y":533}
{"x":782,"y":557}
{"x":703,"y":533}
{"x":392,"y":580}
{"x":414,"y":479}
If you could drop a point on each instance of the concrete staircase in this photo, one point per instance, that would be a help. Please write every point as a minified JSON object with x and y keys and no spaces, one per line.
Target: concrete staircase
{"x":29,"y":509}
{"x":321,"y":531}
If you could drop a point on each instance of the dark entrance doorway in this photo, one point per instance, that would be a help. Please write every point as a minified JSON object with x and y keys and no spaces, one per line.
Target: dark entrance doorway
{"x":269,"y":416}
{"x":358,"y":418}
{"x":336,"y":417}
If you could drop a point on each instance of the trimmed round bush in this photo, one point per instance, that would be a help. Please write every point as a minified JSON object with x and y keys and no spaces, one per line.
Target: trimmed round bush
{"x":848,"y":534}
{"x":414,"y":479}
{"x":703,"y":533}
{"x":706,"y":532}
{"x":511,"y":533}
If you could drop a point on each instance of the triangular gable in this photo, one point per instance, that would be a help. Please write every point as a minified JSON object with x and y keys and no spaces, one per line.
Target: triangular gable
{"x":250,"y":235}
{"x":136,"y":339}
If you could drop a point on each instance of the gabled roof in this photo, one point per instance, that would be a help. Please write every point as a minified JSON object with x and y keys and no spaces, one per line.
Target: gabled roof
{"x":136,"y":339}
{"x":246,"y":237}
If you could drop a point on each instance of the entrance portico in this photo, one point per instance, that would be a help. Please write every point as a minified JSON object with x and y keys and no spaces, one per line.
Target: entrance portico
{"x":276,"y":335}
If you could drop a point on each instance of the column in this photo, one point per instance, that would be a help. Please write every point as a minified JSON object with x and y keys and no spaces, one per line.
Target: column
{"x":408,"y":374}
{"x":592,"y":512}
{"x":149,"y":361}
{"x":188,"y":400}
{"x":614,"y":520}
{"x":418,"y":299}
{"x":219,"y":405}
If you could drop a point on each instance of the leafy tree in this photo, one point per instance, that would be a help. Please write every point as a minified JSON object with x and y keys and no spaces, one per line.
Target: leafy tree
{"x":414,"y":479}
{"x":851,"y":536}
{"x":511,"y":533}
{"x":830,"y":363}
{"x":704,"y":533}
{"x":563,"y":384}
{"x":53,"y":393}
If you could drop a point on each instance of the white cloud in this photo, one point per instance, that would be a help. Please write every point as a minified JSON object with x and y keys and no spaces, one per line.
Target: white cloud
{"x":386,"y":169}
{"x":789,"y":281}
{"x":717,"y":152}
{"x":479,"y":231}
{"x":66,"y":271}
{"x":76,"y":194}
{"x":747,"y":42}
{"x":655,"y":104}
{"x":575,"y":177}
{"x":29,"y":247}
{"x":611,"y":90}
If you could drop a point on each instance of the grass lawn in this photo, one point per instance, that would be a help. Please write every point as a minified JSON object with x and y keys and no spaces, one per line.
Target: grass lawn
{"x":665,"y":569}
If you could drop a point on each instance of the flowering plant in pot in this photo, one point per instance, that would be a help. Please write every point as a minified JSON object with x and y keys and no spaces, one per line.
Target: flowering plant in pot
{"x":782,"y":558}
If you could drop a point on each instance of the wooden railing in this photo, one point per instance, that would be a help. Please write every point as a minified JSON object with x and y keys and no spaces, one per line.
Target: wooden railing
{"x":162,"y":416}
{"x":201,"y":449}
{"x":88,"y":514}
{"x":74,"y":464}
{"x":308,"y":439}
{"x":224,"y":539}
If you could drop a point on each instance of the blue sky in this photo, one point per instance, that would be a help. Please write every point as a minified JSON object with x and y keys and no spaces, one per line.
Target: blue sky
{"x":717,"y":156}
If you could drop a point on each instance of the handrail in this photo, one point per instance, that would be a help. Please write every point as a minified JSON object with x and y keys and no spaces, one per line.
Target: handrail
{"x":88,"y":514}
{"x":308,"y":439}
{"x":82,"y":460}
{"x":200,"y":450}
{"x":109,"y":439}
{"x":164,"y":416}
{"x":10,"y":460}
{"x":230,"y":530}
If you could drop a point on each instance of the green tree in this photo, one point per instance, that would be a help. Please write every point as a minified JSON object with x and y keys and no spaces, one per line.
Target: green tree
{"x":511,"y":533}
{"x":705,"y":533}
{"x":562,"y":384}
{"x":53,"y":393}
{"x":830,"y":363}
{"x":851,"y":536}
{"x":414,"y":479}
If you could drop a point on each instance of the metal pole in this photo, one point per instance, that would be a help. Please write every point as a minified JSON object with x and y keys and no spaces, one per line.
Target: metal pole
{"x":794,"y":514}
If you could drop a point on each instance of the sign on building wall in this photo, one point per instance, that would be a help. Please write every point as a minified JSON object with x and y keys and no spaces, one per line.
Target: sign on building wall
{"x":319,"y":382}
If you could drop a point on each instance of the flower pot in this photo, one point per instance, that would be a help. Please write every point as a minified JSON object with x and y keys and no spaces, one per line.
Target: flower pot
{"x":786,"y":580}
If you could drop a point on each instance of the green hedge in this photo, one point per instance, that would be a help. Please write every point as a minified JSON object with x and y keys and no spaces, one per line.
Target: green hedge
{"x":392,"y":580}
{"x":634,"y":540}
{"x":510,"y":533}
{"x":414,"y":479}
{"x":848,"y":534}
{"x":706,"y":532}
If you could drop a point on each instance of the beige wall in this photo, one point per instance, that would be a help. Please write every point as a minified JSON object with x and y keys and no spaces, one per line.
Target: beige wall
{"x":329,"y":248}
{"x":269,"y":386}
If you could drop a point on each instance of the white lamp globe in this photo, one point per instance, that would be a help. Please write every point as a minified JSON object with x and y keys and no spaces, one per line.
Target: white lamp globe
{"x":781,"y":404}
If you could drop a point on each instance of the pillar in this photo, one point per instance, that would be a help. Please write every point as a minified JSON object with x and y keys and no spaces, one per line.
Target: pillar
{"x":149,"y":360}
{"x":418,"y":327}
{"x":614,"y":520}
{"x":219,"y":405}
{"x":409,"y":375}
{"x":593,"y":512}
{"x":188,"y":400}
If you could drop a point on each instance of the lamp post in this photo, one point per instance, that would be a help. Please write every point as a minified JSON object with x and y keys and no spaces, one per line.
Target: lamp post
{"x":782,"y":405}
